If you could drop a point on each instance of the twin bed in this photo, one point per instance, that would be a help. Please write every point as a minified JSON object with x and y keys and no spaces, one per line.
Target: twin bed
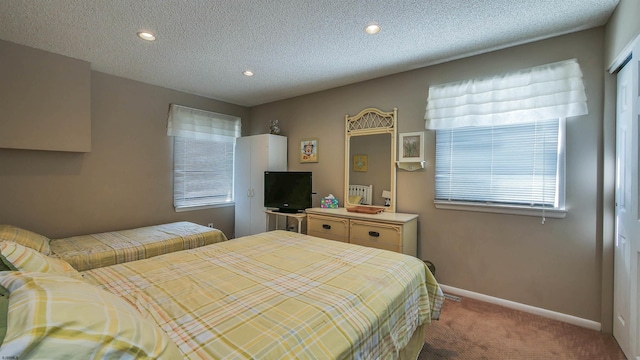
{"x":86,"y":252}
{"x":272,"y":295}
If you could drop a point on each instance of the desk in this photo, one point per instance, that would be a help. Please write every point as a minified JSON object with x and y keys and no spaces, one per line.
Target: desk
{"x":298,"y":216}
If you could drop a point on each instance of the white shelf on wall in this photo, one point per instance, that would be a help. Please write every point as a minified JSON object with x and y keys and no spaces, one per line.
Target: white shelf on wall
{"x":410,"y":165}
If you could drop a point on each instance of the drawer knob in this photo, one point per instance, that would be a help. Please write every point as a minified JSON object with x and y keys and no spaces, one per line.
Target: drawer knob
{"x":326,"y":226}
{"x":374,"y":233}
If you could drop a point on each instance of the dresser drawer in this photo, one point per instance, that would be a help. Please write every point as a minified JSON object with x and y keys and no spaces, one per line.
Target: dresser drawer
{"x":331,"y":228}
{"x":377,"y":235}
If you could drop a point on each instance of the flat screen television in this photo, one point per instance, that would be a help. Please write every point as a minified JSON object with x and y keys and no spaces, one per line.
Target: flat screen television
{"x":287,"y":191}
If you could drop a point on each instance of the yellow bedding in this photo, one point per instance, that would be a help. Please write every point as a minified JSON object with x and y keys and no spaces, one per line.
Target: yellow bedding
{"x":48,"y":316}
{"x":109,"y":248}
{"x":280,"y":295}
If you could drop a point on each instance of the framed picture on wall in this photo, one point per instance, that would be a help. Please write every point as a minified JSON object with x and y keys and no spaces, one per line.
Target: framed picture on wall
{"x":309,"y":150}
{"x":411,"y":146}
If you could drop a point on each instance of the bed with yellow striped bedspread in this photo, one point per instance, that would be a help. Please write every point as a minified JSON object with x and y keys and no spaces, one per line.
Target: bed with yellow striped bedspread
{"x":87,"y":252}
{"x":280,"y":295}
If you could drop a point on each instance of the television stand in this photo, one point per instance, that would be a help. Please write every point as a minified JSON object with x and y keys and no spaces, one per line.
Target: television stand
{"x":297,"y":215}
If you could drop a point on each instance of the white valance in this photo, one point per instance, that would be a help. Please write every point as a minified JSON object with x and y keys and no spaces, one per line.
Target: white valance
{"x":544,"y":92}
{"x":202,"y":125}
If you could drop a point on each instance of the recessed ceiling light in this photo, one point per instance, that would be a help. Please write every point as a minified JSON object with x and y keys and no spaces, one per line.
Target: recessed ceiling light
{"x":247,"y":73}
{"x":144,"y":35}
{"x":372,"y":29}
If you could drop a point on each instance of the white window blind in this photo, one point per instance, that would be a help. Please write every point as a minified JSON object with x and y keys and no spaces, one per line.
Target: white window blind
{"x":517,"y":165}
{"x":202,"y":125}
{"x":203,"y":152}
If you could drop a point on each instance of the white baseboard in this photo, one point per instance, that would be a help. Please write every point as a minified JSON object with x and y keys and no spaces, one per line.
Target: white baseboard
{"x":589,"y":324}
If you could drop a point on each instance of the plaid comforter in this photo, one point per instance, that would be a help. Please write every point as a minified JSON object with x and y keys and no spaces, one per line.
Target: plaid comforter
{"x":97,"y":250}
{"x":280,"y":295}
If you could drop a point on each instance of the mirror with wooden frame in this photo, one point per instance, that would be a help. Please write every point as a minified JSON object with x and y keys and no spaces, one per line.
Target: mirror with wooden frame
{"x":370,"y":153}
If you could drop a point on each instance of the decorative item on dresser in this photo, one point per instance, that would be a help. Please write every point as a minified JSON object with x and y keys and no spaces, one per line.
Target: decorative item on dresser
{"x":386,"y":195}
{"x":365,"y":209}
{"x":390,"y":231}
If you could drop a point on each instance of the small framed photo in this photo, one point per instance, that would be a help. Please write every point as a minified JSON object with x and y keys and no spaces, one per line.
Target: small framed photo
{"x":360,"y":163}
{"x":411,"y":146}
{"x":309,"y":150}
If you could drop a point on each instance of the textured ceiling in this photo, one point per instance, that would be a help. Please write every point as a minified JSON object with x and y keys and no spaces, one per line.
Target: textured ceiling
{"x":294,"y":47}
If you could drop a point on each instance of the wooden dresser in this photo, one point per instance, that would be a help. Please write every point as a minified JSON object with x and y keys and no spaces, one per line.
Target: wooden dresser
{"x":390,"y":231}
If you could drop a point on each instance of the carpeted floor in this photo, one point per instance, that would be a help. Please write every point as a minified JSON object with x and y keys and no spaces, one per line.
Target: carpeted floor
{"x":471,"y":329}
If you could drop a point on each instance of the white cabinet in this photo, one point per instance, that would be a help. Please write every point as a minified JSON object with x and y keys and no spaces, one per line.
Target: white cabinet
{"x":253,"y":156}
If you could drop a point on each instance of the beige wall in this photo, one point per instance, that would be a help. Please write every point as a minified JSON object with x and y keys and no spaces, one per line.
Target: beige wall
{"x":45,"y":100}
{"x":622,"y":29}
{"x":126,"y":179}
{"x":555,"y":266}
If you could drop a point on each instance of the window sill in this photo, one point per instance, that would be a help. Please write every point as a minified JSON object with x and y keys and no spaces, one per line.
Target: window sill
{"x":203,"y":207}
{"x":501,"y":209}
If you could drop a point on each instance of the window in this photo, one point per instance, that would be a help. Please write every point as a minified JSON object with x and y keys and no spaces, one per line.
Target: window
{"x":510,"y":165}
{"x":500,"y":141}
{"x":203,"y":156}
{"x":202,"y":172}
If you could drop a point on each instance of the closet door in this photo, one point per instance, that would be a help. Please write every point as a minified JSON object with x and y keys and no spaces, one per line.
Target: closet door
{"x":242,"y":186}
{"x":259,"y":163}
{"x":626,"y":308}
{"x":268,"y":152}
